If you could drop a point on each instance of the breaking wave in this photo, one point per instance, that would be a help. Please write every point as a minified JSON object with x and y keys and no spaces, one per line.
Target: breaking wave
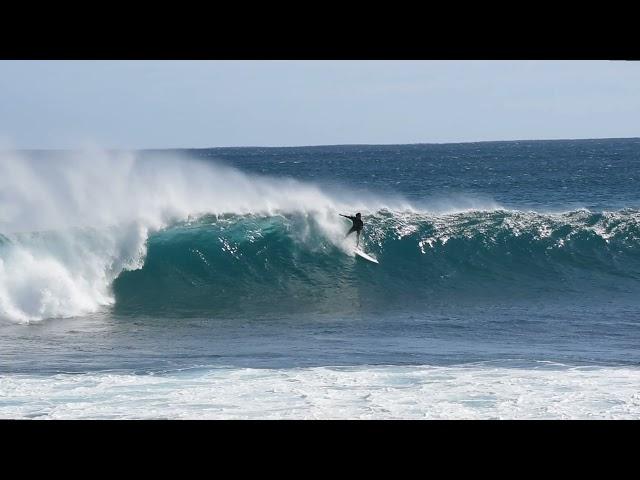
{"x":165,"y":235}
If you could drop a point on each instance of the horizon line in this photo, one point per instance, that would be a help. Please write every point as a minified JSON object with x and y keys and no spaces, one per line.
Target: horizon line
{"x":340,"y":144}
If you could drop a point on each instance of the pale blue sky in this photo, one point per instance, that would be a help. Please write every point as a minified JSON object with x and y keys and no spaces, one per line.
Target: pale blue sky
{"x":167,"y":104}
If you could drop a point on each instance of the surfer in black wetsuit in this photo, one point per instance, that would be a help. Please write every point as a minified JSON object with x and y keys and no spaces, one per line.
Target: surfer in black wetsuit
{"x":357,"y":226}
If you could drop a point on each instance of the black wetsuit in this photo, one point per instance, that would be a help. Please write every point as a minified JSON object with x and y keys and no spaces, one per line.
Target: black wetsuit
{"x":358,"y":224}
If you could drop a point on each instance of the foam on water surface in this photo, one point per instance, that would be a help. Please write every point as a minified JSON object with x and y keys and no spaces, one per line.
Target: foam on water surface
{"x":381,"y":392}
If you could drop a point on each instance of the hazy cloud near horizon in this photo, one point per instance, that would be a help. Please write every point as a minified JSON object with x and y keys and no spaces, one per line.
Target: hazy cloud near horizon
{"x":172,"y":104}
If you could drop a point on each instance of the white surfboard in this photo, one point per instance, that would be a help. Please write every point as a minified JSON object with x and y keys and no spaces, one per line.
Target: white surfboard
{"x":364,"y":255}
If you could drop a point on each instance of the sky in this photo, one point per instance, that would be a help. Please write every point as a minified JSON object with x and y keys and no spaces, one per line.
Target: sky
{"x":199,"y":104}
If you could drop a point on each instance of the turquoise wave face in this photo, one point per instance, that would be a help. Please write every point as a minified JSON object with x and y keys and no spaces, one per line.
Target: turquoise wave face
{"x":260,"y":265}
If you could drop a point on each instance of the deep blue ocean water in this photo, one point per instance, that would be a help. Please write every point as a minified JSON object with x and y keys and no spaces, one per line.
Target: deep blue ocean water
{"x":508,"y":253}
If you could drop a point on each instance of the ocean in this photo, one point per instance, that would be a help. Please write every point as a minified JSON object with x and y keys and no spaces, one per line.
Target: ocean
{"x":218,"y":283}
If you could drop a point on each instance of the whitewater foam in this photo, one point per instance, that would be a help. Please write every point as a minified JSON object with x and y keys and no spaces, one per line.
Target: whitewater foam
{"x":380,"y":392}
{"x":67,"y":273}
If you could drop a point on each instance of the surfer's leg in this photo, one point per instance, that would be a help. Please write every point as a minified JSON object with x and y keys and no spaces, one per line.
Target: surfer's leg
{"x":353,"y":229}
{"x":358,"y":240}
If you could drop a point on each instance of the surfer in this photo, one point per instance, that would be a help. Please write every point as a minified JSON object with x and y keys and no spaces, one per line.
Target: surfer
{"x":357,"y":226}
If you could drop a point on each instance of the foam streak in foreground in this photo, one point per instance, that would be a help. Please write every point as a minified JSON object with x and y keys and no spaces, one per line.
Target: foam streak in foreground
{"x":421,"y":392}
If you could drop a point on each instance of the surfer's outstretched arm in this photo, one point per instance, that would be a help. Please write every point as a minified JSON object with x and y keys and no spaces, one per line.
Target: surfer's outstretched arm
{"x":347,"y":216}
